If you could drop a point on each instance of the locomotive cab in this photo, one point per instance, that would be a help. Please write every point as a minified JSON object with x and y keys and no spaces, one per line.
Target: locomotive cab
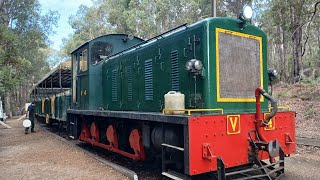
{"x":86,"y":67}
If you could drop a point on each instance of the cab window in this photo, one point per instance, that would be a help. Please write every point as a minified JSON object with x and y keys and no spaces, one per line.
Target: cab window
{"x":83,"y":61}
{"x":99,"y":51}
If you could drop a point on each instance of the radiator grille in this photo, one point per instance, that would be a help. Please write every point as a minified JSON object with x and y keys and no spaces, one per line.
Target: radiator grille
{"x":148,"y":79}
{"x":239,"y":66}
{"x":129,"y":80}
{"x":114,"y":86}
{"x":175,"y":71}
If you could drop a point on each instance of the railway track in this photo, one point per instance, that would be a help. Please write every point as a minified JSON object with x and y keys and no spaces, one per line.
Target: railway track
{"x":133,"y":169}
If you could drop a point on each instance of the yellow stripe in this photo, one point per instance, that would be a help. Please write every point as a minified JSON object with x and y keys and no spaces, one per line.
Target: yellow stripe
{"x":52,"y":105}
{"x":164,"y":111}
{"x":42,"y":107}
{"x":217,"y":64}
{"x":219,"y":99}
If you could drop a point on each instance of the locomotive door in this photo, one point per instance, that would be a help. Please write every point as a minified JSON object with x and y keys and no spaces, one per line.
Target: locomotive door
{"x":83,"y":81}
{"x":75,"y":65}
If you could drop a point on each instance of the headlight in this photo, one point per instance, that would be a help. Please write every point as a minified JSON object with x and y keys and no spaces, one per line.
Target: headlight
{"x":189,"y":66}
{"x":198,"y":65}
{"x":272,"y":73}
{"x":247,"y":12}
{"x":194,"y":65}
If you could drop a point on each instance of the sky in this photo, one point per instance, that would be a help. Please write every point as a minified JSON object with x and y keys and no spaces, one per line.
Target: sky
{"x":65,"y":8}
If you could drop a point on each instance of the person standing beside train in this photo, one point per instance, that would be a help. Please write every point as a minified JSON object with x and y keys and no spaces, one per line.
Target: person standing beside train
{"x":30,"y":116}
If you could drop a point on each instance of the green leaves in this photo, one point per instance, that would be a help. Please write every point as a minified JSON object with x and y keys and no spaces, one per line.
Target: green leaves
{"x":282,"y":20}
{"x":23,"y":38}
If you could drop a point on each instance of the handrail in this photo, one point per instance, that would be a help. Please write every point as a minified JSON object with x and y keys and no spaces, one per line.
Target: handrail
{"x":194,"y":110}
{"x":281,"y":107}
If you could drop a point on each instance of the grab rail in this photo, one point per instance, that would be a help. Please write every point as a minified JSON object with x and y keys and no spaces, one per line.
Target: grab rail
{"x":281,"y":107}
{"x":193,"y":110}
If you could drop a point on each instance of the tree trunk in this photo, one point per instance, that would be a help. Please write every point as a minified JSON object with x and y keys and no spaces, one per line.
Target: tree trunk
{"x":283,"y":47}
{"x":319,"y":39}
{"x":281,"y":53}
{"x":7,"y":105}
{"x":285,"y":60}
{"x":296,"y":43}
{"x":297,"y":52}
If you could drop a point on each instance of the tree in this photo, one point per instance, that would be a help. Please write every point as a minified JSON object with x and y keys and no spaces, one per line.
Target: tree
{"x":142,"y":18}
{"x":292,"y":26}
{"x":289,"y":26}
{"x":22,"y":26}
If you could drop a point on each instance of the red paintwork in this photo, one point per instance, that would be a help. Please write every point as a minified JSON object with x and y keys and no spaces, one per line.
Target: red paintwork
{"x":112,"y":136}
{"x":259,"y":124}
{"x":92,"y":136}
{"x":258,"y":106}
{"x":135,"y":140}
{"x":94,"y":131}
{"x":85,"y":132}
{"x":211,"y":131}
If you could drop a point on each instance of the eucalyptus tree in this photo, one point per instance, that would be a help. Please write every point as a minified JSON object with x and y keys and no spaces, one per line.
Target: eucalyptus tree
{"x":23,"y":40}
{"x":293,"y":29}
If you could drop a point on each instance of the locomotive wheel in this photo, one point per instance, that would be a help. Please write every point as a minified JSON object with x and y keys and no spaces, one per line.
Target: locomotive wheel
{"x":135,"y":140}
{"x":112,"y":136}
{"x":94,"y":131}
{"x":85,"y":132}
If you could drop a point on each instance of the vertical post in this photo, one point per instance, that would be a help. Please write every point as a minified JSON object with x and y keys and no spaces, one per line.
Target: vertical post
{"x":34,"y":94}
{"x":51,"y":85}
{"x":45,"y":87}
{"x":42,"y":90}
{"x":214,"y":8}
{"x":221,"y":170}
{"x":60,"y":79}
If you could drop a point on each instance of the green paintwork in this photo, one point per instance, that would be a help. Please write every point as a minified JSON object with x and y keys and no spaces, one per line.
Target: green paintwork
{"x":160,"y":54}
{"x":57,"y":109}
{"x":138,"y":79}
{"x":91,"y":80}
{"x":38,"y":107}
{"x":116,"y":70}
{"x":62,"y":103}
{"x":47,"y":106}
{"x":210,"y":88}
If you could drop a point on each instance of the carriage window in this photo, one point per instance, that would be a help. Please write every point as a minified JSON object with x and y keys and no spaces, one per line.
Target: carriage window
{"x":83,"y":61}
{"x":99,"y":51}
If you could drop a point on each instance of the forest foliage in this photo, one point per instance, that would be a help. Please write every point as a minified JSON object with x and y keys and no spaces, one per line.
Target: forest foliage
{"x":292,"y":26}
{"x":24,"y":47}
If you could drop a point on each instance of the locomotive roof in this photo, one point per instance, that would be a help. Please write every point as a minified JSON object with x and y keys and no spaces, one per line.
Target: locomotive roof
{"x":99,"y":37}
{"x":168,"y":33}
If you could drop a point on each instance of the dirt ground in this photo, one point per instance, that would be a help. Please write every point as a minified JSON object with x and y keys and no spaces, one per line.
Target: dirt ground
{"x":305,"y":100}
{"x":41,"y":156}
{"x":304,"y":165}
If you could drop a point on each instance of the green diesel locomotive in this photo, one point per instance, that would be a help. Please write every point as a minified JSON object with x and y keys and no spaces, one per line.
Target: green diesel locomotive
{"x":224,"y":128}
